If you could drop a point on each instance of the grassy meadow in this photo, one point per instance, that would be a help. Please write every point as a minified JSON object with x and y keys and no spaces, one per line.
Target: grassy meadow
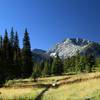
{"x":70,"y":87}
{"x":77,"y":91}
{"x":19,"y":93}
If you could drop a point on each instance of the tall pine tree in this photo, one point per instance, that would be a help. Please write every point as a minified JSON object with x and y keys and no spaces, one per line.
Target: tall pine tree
{"x":12,"y":37}
{"x":12,"y":45}
{"x":27,"y":56}
{"x":17,"y":56}
{"x":2,"y":78}
{"x":8,"y":69}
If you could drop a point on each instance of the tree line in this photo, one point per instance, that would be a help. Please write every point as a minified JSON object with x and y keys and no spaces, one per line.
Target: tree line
{"x":72,"y":65}
{"x":16,"y":62}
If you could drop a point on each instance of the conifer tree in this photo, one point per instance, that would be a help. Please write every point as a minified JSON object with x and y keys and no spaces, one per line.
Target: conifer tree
{"x":90,"y":62}
{"x":36,"y":71}
{"x":1,"y":40}
{"x":1,"y":53}
{"x":67,"y":65}
{"x":47,"y":69}
{"x":12,"y":37}
{"x":17,"y":56}
{"x":6,"y":46}
{"x":7,"y":57}
{"x":27,"y":55}
{"x":57,"y":66}
{"x":12,"y":45}
{"x":77,"y":64}
{"x":82,"y":63}
{"x":2,"y":78}
{"x":42,"y":64}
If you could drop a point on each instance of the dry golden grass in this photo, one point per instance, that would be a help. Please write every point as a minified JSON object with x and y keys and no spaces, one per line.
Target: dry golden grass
{"x":30,"y":82}
{"x":75,"y":91}
{"x":14,"y":91}
{"x":72,"y":91}
{"x":17,"y":93}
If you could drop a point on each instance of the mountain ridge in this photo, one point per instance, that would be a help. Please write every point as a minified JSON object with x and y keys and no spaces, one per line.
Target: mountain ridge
{"x":69,"y":47}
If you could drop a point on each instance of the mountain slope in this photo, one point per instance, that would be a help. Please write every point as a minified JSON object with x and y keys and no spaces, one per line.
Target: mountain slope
{"x":70,"y":47}
{"x":39,"y":55}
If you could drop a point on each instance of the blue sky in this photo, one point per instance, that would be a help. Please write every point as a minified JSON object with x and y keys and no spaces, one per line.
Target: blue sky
{"x":51,"y":21}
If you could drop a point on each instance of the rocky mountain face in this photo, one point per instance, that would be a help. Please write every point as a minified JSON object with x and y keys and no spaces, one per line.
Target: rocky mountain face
{"x":68,"y":48}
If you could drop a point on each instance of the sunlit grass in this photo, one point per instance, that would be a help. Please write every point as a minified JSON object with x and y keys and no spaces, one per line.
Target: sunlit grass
{"x":90,"y":88}
{"x":19,"y":93}
{"x":77,"y":91}
{"x":30,"y":81}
